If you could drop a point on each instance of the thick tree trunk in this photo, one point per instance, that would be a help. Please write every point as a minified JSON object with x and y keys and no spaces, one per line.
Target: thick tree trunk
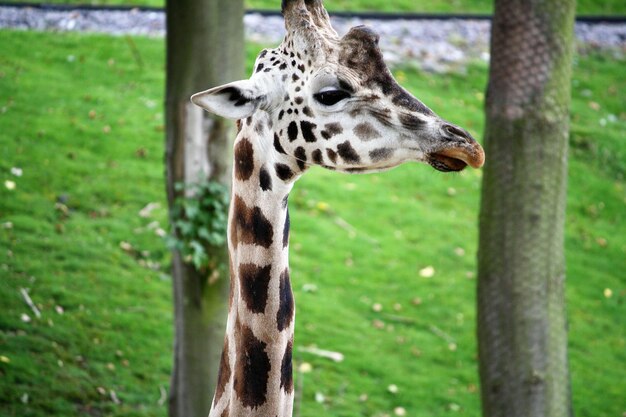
{"x":204,"y":49}
{"x":521,"y":307}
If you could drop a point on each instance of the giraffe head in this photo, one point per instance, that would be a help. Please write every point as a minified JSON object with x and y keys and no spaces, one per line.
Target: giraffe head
{"x":333,"y":102}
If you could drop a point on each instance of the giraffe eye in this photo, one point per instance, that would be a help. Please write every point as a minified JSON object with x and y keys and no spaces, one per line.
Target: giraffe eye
{"x":331,"y":97}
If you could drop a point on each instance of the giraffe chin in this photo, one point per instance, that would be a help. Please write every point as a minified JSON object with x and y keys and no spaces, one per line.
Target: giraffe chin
{"x":445,"y":163}
{"x":457,"y":159}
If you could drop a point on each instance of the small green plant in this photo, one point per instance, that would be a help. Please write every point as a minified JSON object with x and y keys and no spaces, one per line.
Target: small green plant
{"x":200,"y":218}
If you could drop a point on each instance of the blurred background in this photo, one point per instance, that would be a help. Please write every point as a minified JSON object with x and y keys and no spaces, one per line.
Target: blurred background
{"x":384,"y":267}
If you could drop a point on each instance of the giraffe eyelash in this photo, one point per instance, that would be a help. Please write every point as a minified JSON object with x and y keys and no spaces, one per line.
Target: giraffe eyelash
{"x":331,"y":97}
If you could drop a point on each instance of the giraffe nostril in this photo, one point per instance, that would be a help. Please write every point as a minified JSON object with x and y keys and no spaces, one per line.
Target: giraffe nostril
{"x":457,"y":133}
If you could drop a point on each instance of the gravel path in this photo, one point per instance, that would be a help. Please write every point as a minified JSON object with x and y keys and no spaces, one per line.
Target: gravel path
{"x":433,"y":45}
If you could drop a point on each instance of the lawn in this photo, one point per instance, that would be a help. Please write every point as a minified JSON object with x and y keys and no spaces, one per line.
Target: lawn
{"x":83,"y":122}
{"x":585,"y":7}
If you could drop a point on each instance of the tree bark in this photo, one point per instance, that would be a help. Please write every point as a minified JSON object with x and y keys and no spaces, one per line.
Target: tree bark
{"x":205,"y":48}
{"x":521,"y":307}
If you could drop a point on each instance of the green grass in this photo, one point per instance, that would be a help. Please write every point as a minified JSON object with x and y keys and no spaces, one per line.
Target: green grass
{"x":84,"y":121}
{"x":585,"y":7}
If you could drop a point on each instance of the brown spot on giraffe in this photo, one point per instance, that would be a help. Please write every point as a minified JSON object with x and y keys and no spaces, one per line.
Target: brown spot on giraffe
{"x":300,"y":154}
{"x":277,"y":145}
{"x":307,"y":131}
{"x":244,"y":160}
{"x":265,"y":180}
{"x":366,"y":132}
{"x":252,"y":368}
{"x":223,"y":376}
{"x":254,"y":285}
{"x":331,"y":129}
{"x":284,"y":172}
{"x":249,"y":225}
{"x":286,"y":369}
{"x":286,"y":304}
{"x":292,"y":130}
{"x":380,"y":154}
{"x":348,"y":153}
{"x":332,"y":155}
{"x":317,"y":157}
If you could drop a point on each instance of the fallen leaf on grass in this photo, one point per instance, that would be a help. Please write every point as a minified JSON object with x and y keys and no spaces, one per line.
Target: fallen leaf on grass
{"x":305,"y":367}
{"x":323,"y":206}
{"x":30,"y":303}
{"x":378,"y":324}
{"x":148,"y":209}
{"x":114,"y":397}
{"x":399,"y":411}
{"x":333,"y":356}
{"x":454,"y":407}
{"x":163,"y":396}
{"x":127,"y":247}
{"x":310,"y":288}
{"x":427,"y":272}
{"x":320,"y":398}
{"x":416,"y":352}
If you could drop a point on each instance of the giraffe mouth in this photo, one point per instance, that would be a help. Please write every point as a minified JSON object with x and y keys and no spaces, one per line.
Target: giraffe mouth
{"x":457,"y":159}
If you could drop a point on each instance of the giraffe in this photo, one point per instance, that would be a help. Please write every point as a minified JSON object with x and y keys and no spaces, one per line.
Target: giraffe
{"x":317,"y":99}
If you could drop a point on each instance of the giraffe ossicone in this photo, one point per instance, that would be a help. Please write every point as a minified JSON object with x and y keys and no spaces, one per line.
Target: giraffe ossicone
{"x":317,"y":99}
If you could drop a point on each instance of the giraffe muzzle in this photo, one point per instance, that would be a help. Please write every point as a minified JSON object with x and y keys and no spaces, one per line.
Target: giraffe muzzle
{"x":458,"y":150}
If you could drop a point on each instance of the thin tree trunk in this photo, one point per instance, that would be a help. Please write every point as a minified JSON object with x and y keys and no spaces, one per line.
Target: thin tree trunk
{"x":204,"y":49}
{"x":521,"y":306}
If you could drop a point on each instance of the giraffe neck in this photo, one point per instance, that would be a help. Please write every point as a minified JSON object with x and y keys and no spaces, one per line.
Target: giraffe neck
{"x":256,"y":371}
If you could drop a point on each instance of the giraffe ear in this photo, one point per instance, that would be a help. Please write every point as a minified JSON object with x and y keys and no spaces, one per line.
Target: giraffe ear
{"x":236,"y":100}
